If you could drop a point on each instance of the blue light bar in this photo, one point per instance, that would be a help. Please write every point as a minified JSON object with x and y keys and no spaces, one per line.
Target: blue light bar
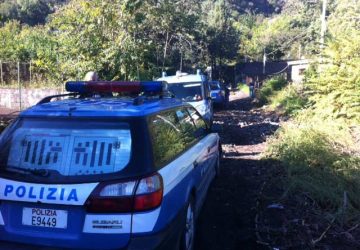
{"x":151,"y":86}
{"x":118,"y":87}
{"x":78,"y":87}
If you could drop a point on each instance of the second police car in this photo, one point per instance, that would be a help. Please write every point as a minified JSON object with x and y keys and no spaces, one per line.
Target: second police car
{"x":93,"y":171}
{"x":194,"y":89}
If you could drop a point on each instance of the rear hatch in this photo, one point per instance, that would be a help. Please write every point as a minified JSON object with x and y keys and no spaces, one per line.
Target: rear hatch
{"x":50,"y":170}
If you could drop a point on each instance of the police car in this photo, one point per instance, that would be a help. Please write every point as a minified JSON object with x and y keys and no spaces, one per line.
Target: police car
{"x":219,"y":93}
{"x":97,"y":171}
{"x":192,"y":88}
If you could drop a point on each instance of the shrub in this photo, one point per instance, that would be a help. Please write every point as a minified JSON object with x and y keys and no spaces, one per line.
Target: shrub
{"x":277,"y":82}
{"x":264,"y":94}
{"x":269,"y":88}
{"x":288,"y":101}
{"x":244,"y":88}
{"x":319,"y":162}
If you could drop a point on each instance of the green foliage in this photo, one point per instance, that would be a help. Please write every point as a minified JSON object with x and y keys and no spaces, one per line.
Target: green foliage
{"x":288,"y":101}
{"x":221,"y":34}
{"x":121,"y":40}
{"x":270,"y":87}
{"x":277,"y":83}
{"x":293,"y":33}
{"x":244,"y":88}
{"x":31,"y":12}
{"x":334,"y":84}
{"x":318,"y":165}
{"x":320,"y":148}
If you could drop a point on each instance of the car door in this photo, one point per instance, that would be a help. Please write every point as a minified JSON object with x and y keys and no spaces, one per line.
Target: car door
{"x":208,"y":155}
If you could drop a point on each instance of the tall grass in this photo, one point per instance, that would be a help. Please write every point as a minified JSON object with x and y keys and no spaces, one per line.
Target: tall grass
{"x":321,"y":160}
{"x":244,"y":88}
{"x":270,"y":87}
{"x":321,"y":154}
{"x":280,"y":96}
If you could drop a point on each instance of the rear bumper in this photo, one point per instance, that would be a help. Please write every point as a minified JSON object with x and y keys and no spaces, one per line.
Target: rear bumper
{"x":218,"y":99}
{"x":166,"y":239}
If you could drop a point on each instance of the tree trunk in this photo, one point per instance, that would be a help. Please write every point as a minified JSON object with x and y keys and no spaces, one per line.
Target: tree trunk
{"x":165,"y":49}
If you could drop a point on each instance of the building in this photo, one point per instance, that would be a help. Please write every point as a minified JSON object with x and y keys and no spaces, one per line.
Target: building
{"x":257,"y":71}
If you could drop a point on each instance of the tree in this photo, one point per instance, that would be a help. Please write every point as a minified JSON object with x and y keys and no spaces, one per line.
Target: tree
{"x":293,"y":33}
{"x":221,"y":37}
{"x":334,"y":86}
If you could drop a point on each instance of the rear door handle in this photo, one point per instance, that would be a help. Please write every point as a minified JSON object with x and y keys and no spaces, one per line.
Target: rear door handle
{"x":195,"y":164}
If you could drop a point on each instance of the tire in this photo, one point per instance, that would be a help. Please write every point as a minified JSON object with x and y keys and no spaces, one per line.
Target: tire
{"x":188,"y":236}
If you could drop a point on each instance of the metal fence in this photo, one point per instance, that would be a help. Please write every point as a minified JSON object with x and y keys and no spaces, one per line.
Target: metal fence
{"x":22,"y":84}
{"x":16,"y":73}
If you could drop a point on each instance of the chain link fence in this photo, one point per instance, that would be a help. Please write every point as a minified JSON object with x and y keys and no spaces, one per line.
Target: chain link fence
{"x":21,"y":85}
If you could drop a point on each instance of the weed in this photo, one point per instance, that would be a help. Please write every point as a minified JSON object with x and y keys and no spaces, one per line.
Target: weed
{"x":270,"y":87}
{"x":244,"y":88}
{"x":288,"y":101}
{"x":320,"y":163}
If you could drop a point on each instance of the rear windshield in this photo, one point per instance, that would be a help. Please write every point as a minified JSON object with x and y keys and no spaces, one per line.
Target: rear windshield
{"x":187,"y":91}
{"x":68,"y":147}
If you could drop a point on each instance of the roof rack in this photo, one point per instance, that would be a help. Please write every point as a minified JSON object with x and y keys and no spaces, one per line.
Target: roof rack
{"x":83,"y":89}
{"x":49,"y":98}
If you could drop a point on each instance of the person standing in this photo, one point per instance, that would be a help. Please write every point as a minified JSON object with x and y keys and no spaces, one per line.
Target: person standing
{"x":251,"y":89}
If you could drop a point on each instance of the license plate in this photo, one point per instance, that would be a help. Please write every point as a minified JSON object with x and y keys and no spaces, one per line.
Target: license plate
{"x":41,"y":217}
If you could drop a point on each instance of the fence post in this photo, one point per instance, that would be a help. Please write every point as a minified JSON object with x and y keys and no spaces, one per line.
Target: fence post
{"x":1,"y":73}
{"x":18,"y":68}
{"x":30,"y":72}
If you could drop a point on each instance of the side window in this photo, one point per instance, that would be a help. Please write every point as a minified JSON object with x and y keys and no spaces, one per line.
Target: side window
{"x":199,"y":122}
{"x":172,"y":132}
{"x":186,"y":126}
{"x":166,"y":137}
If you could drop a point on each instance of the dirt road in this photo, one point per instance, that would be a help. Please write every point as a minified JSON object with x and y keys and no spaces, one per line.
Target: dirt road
{"x":227,"y":218}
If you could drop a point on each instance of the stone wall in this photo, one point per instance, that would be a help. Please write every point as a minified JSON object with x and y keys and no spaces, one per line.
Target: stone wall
{"x":11,"y":98}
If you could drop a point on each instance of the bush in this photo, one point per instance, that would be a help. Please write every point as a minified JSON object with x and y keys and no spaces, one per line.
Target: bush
{"x":269,"y":88}
{"x":319,"y":162}
{"x":277,"y":82}
{"x":244,"y":88}
{"x":288,"y":101}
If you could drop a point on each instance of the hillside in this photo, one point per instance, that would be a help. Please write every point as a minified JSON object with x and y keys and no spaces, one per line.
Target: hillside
{"x":28,"y":12}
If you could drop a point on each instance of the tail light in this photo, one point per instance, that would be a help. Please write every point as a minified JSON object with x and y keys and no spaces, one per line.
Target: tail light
{"x":126,"y":197}
{"x":148,"y":193}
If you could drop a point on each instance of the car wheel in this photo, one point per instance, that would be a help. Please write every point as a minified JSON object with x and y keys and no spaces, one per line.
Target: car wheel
{"x":188,"y":235}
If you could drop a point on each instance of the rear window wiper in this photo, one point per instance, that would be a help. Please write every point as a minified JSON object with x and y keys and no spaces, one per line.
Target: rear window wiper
{"x":37,"y":172}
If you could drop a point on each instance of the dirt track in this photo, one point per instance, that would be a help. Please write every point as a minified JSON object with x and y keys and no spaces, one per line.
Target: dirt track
{"x":227,"y":218}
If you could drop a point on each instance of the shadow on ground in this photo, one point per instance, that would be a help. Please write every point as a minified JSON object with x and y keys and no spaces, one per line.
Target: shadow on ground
{"x":227,"y":219}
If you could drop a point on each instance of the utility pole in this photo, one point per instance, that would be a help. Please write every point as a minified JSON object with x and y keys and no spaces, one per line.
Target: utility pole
{"x":264,"y":63}
{"x":19,"y":83}
{"x":1,"y":73}
{"x":323,"y":24}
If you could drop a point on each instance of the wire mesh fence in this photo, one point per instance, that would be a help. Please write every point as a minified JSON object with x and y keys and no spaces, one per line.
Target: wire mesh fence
{"x":21,"y":85}
{"x":16,"y":72}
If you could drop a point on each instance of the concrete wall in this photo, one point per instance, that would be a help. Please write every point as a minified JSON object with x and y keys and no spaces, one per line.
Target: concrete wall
{"x":11,"y":98}
{"x":297,"y":72}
